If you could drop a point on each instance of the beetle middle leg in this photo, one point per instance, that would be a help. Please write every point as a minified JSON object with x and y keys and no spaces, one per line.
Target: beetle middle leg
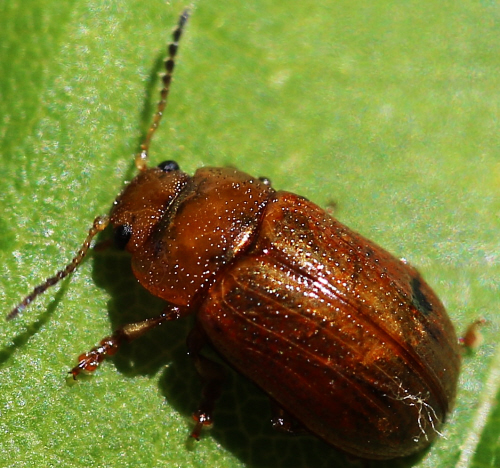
{"x":283,"y":421}
{"x":212,"y":375}
{"x":109,"y":345}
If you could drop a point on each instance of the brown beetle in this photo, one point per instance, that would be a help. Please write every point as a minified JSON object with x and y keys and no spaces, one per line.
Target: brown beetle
{"x":349,"y":341}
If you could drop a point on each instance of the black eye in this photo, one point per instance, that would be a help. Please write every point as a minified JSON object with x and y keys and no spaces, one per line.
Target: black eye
{"x":265,"y":181}
{"x":168,"y":166}
{"x":123,"y":234}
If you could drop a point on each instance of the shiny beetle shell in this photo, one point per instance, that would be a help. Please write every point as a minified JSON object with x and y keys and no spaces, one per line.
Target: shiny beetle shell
{"x":347,"y":339}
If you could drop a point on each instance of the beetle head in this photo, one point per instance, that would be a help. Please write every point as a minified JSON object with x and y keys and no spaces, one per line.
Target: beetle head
{"x":143,"y":202}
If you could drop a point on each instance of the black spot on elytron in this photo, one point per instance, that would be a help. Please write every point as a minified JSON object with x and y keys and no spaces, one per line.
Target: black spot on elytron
{"x":123,"y":234}
{"x":418,"y":297}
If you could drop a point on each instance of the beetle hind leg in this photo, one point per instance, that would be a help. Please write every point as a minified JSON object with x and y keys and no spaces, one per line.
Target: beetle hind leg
{"x":212,"y":375}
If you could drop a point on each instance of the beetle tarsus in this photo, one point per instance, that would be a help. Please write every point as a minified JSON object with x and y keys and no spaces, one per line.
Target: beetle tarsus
{"x":108,"y":346}
{"x":472,"y":337}
{"x":211,"y":373}
{"x":90,"y":361}
{"x":202,"y":420}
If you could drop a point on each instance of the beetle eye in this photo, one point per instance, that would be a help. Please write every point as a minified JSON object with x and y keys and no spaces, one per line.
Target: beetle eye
{"x":168,"y":166}
{"x":123,"y":233}
{"x":265,"y":181}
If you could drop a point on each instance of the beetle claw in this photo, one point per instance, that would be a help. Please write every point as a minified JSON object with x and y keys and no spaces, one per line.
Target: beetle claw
{"x":202,"y":420}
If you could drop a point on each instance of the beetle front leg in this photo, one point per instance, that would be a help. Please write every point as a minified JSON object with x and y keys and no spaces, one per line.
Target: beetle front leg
{"x":109,"y":346}
{"x":212,"y":375}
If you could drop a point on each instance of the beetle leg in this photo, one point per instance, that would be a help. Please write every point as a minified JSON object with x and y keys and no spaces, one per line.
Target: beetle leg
{"x":283,"y":421}
{"x":109,"y":346}
{"x":472,"y":338}
{"x":212,"y":375}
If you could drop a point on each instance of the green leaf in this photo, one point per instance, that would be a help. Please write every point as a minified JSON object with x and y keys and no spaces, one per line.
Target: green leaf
{"x":388,"y":109}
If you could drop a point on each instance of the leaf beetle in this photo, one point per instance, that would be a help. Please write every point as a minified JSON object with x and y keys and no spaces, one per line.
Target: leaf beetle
{"x":350,"y":342}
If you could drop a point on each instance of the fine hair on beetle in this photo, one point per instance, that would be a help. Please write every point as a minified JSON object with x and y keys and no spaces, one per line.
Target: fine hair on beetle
{"x":348,"y":341}
{"x":426,"y":414}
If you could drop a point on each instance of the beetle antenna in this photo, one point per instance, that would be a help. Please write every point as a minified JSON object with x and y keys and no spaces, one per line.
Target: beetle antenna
{"x":142,"y":157}
{"x":99,"y":225}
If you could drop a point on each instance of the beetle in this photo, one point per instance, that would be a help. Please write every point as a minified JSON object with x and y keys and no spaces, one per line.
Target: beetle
{"x":350,"y":342}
